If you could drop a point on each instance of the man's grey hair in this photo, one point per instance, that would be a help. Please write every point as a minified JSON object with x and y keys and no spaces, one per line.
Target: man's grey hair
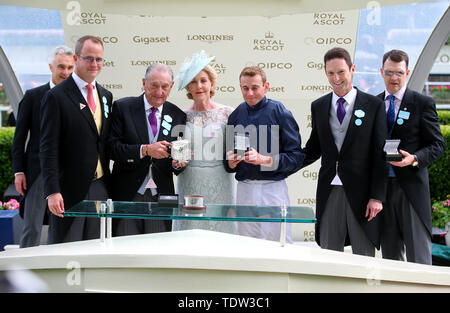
{"x":64,"y":50}
{"x":160,"y":67}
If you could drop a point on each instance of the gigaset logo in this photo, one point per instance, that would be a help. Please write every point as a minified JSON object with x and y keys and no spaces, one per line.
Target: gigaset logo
{"x":269,"y":43}
{"x":314,"y":65}
{"x":149,"y":40}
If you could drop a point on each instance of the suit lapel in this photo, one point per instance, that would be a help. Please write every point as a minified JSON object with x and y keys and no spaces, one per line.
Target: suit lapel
{"x":165,"y":127}
{"x":351,"y":129}
{"x":78,"y":100}
{"x":137,"y":110}
{"x":323,"y":113}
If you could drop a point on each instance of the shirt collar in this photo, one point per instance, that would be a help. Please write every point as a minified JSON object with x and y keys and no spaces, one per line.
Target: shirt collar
{"x":81,"y":83}
{"x":51,"y":84}
{"x":259,"y":105}
{"x":398,"y":95}
{"x":350,"y":97}
{"x":148,"y":106}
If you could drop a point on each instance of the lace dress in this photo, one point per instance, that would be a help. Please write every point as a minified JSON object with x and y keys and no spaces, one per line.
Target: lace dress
{"x":205,"y":175}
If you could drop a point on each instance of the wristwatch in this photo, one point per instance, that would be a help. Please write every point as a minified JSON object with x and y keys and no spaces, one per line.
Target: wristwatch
{"x":416,"y":161}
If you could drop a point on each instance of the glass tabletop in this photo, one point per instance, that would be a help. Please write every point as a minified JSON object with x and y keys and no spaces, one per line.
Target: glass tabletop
{"x":153,"y":210}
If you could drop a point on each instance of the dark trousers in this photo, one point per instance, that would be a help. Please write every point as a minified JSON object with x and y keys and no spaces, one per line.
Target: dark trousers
{"x":70,"y":229}
{"x":131,"y":226}
{"x":337,"y":220}
{"x":402,"y":228}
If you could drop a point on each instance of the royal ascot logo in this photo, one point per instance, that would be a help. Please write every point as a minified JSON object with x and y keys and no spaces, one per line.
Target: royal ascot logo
{"x":309,"y":121}
{"x":323,"y":41}
{"x":150,"y":62}
{"x":93,"y":18}
{"x":268,"y":43}
{"x":150,"y":40}
{"x":209,"y":38}
{"x":316,"y":66}
{"x":218,"y":67}
{"x":329,"y":19}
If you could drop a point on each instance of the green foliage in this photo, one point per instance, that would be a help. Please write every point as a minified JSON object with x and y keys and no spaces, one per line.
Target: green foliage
{"x":439,"y":170}
{"x":6,"y":174}
{"x":444,"y":117}
{"x":440,"y":213}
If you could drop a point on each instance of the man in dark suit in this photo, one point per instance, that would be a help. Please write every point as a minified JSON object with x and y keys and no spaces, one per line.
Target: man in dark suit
{"x":141,"y":131}
{"x":348,"y":133}
{"x":412,"y":118}
{"x":75,"y":118}
{"x":26,"y":166}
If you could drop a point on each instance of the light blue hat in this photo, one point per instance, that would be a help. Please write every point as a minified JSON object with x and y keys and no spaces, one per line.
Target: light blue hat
{"x":191,"y":67}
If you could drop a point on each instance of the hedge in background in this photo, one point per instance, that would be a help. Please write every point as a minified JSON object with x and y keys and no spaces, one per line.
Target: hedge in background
{"x":6,"y":174}
{"x":444,"y":117}
{"x":439,"y":171}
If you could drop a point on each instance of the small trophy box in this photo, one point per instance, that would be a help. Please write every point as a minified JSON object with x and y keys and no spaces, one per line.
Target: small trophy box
{"x":180,"y":150}
{"x":391,"y":150}
{"x":170,"y":201}
{"x":241,"y":144}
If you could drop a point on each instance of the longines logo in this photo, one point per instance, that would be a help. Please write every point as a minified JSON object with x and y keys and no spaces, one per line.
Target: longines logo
{"x":209,"y":38}
{"x":147,"y":63}
{"x":320,"y":88}
{"x":328,"y":19}
{"x":309,"y":201}
{"x":268,"y":43}
{"x":150,"y":40}
{"x":320,"y":41}
{"x":314,"y":65}
{"x":112,"y":86}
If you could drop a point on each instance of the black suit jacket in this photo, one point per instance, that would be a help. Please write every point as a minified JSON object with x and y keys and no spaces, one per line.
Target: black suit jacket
{"x":361,"y":165}
{"x":128,"y":133}
{"x":421,"y":135}
{"x":28,"y":121}
{"x":70,"y":143}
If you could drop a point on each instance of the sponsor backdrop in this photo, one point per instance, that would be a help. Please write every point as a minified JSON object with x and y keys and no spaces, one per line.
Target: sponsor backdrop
{"x":289,"y":48}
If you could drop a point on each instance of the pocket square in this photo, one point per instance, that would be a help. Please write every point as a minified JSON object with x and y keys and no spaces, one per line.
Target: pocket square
{"x":82,"y":106}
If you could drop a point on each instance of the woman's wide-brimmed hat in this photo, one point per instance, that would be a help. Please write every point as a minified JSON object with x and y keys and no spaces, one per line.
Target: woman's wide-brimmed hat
{"x":191,"y":67}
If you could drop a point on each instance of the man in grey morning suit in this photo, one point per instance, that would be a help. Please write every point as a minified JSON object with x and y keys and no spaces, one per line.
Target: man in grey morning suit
{"x":348,"y":133}
{"x":26,"y":166}
{"x":413,"y":119}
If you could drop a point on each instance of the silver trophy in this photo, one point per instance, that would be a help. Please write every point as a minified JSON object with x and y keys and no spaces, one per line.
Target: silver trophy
{"x":181,"y":150}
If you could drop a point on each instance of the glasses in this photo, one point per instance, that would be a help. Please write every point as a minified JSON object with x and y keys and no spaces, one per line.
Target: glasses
{"x":398,"y":74}
{"x":92,"y":59}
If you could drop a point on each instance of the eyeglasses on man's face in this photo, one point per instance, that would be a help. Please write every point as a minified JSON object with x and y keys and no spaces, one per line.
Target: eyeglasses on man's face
{"x":398,"y":74}
{"x":92,"y":59}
